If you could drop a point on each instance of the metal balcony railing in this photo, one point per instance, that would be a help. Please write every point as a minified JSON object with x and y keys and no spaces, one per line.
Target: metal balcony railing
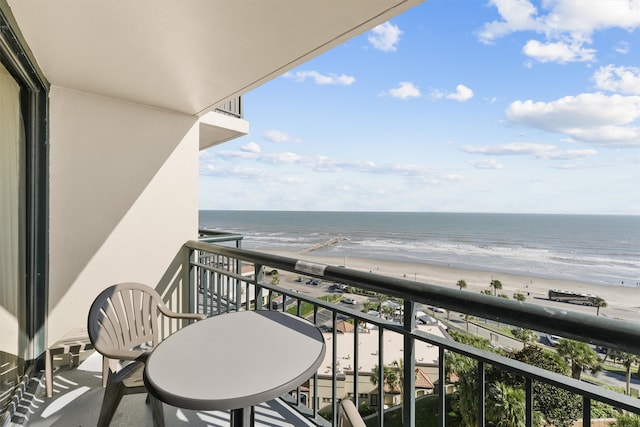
{"x":224,"y":278}
{"x":231,"y":108}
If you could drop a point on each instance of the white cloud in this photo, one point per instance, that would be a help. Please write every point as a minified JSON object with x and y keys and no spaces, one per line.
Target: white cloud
{"x":540,"y":151}
{"x":591,"y":117}
{"x":567,"y":25}
{"x":321,"y":79}
{"x":251,"y":147}
{"x":291,"y":180}
{"x":517,"y":15}
{"x":623,"y":48}
{"x":280,"y":158}
{"x":279,"y":136}
{"x":485,"y":164}
{"x":560,"y":52}
{"x":461,"y":94}
{"x":618,"y":79}
{"x":234,"y":172}
{"x":615,"y":135}
{"x":405,"y":90}
{"x":323,"y":164}
{"x":573,"y":154}
{"x":385,"y":37}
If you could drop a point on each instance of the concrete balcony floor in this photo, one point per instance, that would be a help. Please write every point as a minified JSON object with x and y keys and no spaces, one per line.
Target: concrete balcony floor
{"x":78,"y":393}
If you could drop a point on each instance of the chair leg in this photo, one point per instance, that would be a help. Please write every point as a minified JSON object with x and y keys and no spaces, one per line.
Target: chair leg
{"x":112,"y":397}
{"x":156,"y":411}
{"x":105,"y":371}
{"x":48,"y":372}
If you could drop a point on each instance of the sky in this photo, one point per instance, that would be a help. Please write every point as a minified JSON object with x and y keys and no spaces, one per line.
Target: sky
{"x":510,"y":106}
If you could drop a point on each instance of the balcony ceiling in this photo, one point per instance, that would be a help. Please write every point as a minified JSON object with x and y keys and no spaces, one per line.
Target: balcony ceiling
{"x":186,"y":56}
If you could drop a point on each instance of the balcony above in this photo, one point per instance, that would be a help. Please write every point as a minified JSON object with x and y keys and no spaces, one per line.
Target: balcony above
{"x":217,"y":127}
{"x":186,"y":57}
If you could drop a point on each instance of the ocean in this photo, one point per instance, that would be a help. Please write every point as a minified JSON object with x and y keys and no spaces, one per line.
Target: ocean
{"x":596,"y":249}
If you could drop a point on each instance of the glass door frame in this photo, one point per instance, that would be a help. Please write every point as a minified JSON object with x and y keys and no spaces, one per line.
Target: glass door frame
{"x":17,"y":60}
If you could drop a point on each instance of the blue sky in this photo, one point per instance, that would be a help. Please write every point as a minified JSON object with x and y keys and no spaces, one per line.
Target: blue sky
{"x":454,"y":106}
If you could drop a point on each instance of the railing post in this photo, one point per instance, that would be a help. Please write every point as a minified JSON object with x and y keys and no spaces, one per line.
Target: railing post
{"x":356,"y":366}
{"x":482,"y":393}
{"x":257,"y":290}
{"x":529,"y":402}
{"x":334,"y":370}
{"x":442,"y":387}
{"x":409,"y":366}
{"x":238,"y":286}
{"x":190,"y":278}
{"x":381,"y":377}
{"x":586,"y":411}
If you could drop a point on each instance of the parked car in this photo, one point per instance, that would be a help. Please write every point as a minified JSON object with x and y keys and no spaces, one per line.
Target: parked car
{"x":553,"y":339}
{"x":349,"y":301}
{"x":313,"y":282}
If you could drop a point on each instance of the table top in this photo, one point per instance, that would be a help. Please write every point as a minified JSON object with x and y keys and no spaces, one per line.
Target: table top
{"x":234,"y":360}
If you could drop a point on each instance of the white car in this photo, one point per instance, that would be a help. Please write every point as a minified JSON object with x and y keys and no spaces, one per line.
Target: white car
{"x":349,"y":301}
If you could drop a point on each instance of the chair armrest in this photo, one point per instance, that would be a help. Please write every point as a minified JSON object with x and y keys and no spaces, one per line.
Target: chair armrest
{"x":132,"y":355}
{"x":349,"y":415}
{"x":175,"y":315}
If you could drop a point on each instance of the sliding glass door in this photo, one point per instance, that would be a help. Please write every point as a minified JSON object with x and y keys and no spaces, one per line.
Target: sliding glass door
{"x":23,"y":217}
{"x":12,"y":239}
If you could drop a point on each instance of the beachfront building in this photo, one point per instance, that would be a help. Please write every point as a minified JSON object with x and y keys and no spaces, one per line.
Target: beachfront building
{"x":426,"y":366}
{"x":104,"y":109}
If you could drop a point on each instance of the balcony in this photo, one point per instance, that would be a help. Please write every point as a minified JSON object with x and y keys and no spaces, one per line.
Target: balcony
{"x":224,"y":278}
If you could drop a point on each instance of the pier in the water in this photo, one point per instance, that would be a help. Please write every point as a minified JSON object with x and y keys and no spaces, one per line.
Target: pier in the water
{"x":323,"y":245}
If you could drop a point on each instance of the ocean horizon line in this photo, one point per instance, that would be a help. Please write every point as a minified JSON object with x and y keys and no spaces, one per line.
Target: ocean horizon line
{"x":423,"y":212}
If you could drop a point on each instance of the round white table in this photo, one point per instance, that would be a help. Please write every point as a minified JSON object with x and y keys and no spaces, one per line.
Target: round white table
{"x":234,"y":361}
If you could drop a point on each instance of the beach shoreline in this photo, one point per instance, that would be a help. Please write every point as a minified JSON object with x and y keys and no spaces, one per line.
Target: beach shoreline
{"x":622,"y":302}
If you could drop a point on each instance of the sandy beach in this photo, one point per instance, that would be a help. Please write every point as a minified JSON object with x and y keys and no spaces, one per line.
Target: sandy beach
{"x":623,"y":302}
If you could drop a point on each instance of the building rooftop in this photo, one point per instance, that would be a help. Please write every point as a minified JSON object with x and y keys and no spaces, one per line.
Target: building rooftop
{"x":426,"y":354}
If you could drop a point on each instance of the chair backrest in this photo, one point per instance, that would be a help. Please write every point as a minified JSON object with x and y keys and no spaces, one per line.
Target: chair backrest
{"x":123,"y":319}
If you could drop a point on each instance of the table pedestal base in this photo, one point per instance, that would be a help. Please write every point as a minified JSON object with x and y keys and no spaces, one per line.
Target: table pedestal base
{"x":243,"y":417}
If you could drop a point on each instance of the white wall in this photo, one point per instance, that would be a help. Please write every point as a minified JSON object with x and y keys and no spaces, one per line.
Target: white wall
{"x":123,"y":199}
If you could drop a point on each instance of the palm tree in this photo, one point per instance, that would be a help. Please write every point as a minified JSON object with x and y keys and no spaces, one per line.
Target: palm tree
{"x":390,"y":377}
{"x":496,"y":285}
{"x":462,"y":284}
{"x":381,"y":298}
{"x":519,"y":297}
{"x":627,"y":420}
{"x":367,"y":306}
{"x":579,"y":356}
{"x":387,"y":311}
{"x":275,"y":277}
{"x":526,"y":336}
{"x":627,"y":361}
{"x":507,"y":408}
{"x":467,"y":317}
{"x":599,"y":303}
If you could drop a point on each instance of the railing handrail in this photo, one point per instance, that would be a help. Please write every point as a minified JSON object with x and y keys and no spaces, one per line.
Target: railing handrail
{"x":217,"y":236}
{"x":606,"y":332}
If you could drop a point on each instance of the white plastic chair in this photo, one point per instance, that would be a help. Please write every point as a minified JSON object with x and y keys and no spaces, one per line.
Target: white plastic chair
{"x":123,"y":326}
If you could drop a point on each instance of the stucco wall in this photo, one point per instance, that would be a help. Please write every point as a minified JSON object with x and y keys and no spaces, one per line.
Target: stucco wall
{"x":123,"y":199}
